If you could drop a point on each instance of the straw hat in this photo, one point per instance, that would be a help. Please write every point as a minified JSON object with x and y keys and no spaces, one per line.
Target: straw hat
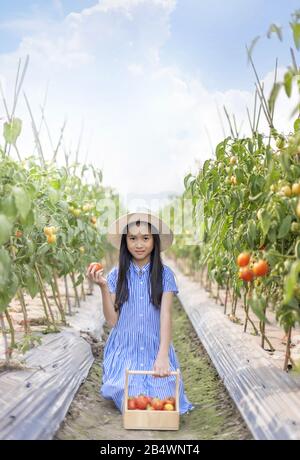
{"x":118,"y":227}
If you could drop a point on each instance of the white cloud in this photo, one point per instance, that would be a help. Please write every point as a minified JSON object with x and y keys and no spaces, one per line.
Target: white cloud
{"x":135,"y":69}
{"x":149,"y":122}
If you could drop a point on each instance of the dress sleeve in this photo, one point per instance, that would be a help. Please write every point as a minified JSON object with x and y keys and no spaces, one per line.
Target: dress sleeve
{"x":169,"y":282}
{"x":112,"y":280}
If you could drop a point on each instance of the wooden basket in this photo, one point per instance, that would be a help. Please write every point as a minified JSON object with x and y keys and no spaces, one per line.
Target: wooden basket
{"x":150,"y":419}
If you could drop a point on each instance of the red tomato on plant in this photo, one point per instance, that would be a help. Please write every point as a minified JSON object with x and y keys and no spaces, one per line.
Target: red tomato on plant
{"x":246,"y":274}
{"x":243,"y":259}
{"x":260,"y":268}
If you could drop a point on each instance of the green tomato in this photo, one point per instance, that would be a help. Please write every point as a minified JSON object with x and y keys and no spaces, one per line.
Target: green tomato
{"x":295,"y":227}
{"x":280,"y":143}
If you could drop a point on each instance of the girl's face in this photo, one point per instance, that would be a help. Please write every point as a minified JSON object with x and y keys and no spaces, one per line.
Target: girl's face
{"x":140,"y":241}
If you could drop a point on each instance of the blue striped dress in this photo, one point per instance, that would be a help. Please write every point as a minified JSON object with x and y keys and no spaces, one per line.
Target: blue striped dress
{"x":134,"y":341}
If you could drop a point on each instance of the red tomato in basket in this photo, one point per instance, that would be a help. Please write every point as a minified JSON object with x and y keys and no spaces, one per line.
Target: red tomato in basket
{"x":170,"y":400}
{"x":141,"y":402}
{"x":131,"y":403}
{"x":157,"y":404}
{"x":168,"y":407}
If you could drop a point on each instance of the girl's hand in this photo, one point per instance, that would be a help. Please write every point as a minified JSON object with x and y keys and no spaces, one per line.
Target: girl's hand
{"x":96,"y":275}
{"x":162,"y":366}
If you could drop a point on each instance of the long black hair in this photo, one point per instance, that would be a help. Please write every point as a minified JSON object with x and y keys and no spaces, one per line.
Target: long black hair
{"x":156,"y":270}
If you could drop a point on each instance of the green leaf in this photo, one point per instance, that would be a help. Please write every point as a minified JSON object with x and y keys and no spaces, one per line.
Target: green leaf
{"x":220,"y":151}
{"x":251,"y":233}
{"x":265,"y":222}
{"x":285,"y":227}
{"x":273,"y":96}
{"x":239,"y":175}
{"x":22,"y":200}
{"x":297,"y":125}
{"x":288,"y":79}
{"x":258,"y":306}
{"x":273,"y":257}
{"x":187,"y":180}
{"x":290,"y":282}
{"x":296,"y":34}
{"x":285,"y":161}
{"x":29,"y":221}
{"x":5,"y":229}
{"x":32,"y":285}
{"x":253,"y":43}
{"x":55,"y":183}
{"x":12,"y":130}
{"x":297,"y":250}
{"x":5,"y":267}
{"x":53,"y":195}
{"x":79,"y":280}
{"x":295,"y":110}
{"x":4,"y":301}
{"x":42,"y":249}
{"x":206,"y":165}
{"x":275,"y":29}
{"x":8,"y":207}
{"x":12,"y":286}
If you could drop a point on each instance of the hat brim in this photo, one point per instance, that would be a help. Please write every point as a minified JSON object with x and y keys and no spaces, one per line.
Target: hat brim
{"x":118,"y":228}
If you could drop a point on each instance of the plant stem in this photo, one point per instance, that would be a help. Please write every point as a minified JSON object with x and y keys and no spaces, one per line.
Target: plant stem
{"x":4,"y":334}
{"x":20,"y":296}
{"x":42,"y":289}
{"x":82,"y":292}
{"x":288,"y":349}
{"x":60,"y":305}
{"x":60,"y":309}
{"x":226,"y":295}
{"x":12,"y":333}
{"x":75,"y":290}
{"x":67,"y":295}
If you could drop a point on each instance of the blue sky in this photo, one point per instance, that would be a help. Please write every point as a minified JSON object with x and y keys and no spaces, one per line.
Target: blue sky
{"x":144,"y":78}
{"x":205,"y":36}
{"x":209,"y":37}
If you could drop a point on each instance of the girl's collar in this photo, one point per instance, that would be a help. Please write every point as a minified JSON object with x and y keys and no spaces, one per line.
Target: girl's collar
{"x":140,"y":269}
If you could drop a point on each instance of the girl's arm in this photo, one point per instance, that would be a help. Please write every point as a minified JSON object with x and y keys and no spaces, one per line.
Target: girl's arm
{"x":108,"y":300}
{"x":162,"y":365}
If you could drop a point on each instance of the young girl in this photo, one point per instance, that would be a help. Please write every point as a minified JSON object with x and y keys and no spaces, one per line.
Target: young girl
{"x":137,"y":302}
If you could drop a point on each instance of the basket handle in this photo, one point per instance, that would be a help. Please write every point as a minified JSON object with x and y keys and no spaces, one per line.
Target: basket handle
{"x":128,"y":372}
